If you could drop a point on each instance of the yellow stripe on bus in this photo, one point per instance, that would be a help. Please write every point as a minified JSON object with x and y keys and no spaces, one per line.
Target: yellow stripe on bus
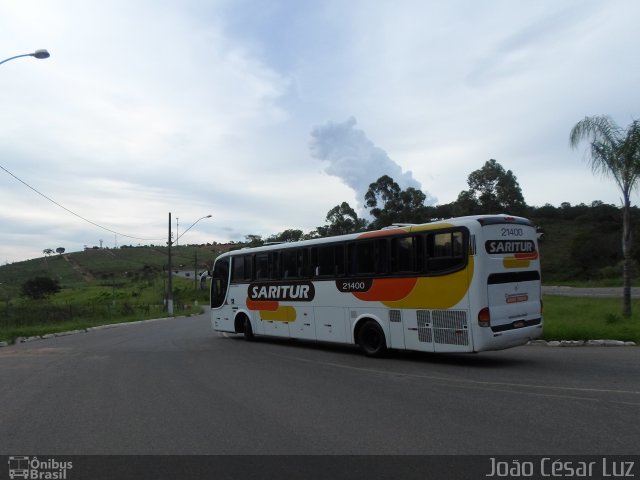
{"x":440,"y":292}
{"x":515,"y":263}
{"x":281,"y":314}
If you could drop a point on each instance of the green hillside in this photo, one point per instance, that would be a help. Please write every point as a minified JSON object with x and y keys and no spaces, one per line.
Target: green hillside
{"x":582,"y":245}
{"x":101,"y":284}
{"x":98,"y":266}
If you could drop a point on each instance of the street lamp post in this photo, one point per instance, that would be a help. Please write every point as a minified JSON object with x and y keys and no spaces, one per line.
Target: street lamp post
{"x":42,"y":53}
{"x":169,"y":243}
{"x":169,"y":282}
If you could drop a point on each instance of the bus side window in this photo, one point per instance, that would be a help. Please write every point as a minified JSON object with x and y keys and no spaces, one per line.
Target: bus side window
{"x":404,"y":255}
{"x":325,"y":261}
{"x":313,"y":262}
{"x":328,"y":260}
{"x":290,"y":264}
{"x":362,"y":257}
{"x":262,"y":266}
{"x":445,"y":252}
{"x":457,"y":243}
{"x":242,"y":268}
{"x":248,"y":267}
{"x":274,"y":265}
{"x":338,"y":259}
{"x":303,"y":263}
{"x":382,"y":256}
{"x":237,"y":269}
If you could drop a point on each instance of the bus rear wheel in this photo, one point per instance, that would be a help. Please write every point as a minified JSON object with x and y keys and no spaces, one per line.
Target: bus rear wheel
{"x":371,"y":339}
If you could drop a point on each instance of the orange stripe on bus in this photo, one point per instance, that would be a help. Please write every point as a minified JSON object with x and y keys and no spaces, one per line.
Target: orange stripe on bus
{"x":270,"y":305}
{"x":526,"y":256}
{"x":387,"y":289}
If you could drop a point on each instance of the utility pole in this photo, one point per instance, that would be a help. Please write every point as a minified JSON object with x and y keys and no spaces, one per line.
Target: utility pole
{"x":195,"y":269}
{"x":169,"y":283}
{"x":169,"y":243}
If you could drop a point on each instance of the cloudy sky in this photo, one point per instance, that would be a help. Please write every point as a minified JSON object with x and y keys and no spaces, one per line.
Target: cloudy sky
{"x":268,"y":113}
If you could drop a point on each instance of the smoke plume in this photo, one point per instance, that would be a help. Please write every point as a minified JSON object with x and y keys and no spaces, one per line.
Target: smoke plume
{"x":356,"y":160}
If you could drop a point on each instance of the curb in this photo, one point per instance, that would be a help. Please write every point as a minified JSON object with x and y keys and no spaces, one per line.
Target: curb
{"x":84,"y":330}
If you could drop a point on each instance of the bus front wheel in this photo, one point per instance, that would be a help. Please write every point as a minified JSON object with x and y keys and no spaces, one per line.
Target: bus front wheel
{"x":247,"y":330}
{"x":371,"y":339}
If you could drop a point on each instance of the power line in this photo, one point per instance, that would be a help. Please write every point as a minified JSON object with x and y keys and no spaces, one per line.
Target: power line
{"x":74,"y":213}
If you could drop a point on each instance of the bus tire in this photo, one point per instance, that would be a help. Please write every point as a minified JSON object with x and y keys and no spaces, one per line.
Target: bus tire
{"x":371,"y":339}
{"x":247,"y":329}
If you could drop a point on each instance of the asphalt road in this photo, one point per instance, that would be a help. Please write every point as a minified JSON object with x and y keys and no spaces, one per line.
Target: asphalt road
{"x":175,"y":387}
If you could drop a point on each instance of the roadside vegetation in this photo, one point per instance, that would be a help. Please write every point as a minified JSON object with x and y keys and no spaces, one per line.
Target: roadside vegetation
{"x":97,"y":287}
{"x":568,"y":318}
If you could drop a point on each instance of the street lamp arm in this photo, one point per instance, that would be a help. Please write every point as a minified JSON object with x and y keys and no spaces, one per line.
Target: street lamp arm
{"x":17,"y":56}
{"x":42,"y":53}
{"x":202,"y":218}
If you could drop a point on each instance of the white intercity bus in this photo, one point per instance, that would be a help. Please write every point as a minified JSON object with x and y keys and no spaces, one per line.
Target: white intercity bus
{"x":465,"y":284}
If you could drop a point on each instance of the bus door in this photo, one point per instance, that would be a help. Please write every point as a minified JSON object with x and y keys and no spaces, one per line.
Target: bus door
{"x":513,"y":281}
{"x":220,"y":313}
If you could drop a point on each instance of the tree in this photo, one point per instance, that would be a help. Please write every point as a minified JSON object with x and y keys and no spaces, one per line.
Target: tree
{"x":342,"y":220}
{"x":389,"y":204}
{"x":466,"y":204}
{"x":492,"y":189}
{"x":614,"y":153}
{"x":290,"y":235}
{"x":40,"y":287}
{"x":253,"y":240}
{"x":383,"y":191}
{"x":412,"y":208}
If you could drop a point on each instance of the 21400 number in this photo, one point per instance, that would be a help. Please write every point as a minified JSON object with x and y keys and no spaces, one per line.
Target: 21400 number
{"x":359,"y":285}
{"x":512,"y":232}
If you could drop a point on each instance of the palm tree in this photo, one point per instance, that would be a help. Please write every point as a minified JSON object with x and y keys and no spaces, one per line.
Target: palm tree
{"x":614,"y":153}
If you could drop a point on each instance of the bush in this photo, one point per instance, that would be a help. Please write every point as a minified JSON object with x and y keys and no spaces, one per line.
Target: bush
{"x":40,"y":287}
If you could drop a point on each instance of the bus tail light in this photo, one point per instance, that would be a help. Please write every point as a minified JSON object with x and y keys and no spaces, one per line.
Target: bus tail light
{"x":484,"y":317}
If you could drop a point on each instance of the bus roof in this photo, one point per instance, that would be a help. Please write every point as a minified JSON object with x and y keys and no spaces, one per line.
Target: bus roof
{"x":392,"y":230}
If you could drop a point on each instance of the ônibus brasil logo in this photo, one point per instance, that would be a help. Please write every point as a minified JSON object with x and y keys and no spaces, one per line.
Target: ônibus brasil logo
{"x":33,"y":468}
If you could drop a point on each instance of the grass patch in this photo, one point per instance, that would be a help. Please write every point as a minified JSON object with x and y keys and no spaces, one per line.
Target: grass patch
{"x":10,"y":332}
{"x":126,"y":299}
{"x":572,"y":318}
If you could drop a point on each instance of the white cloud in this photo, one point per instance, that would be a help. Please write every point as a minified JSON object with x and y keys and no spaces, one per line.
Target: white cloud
{"x":202,"y":107}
